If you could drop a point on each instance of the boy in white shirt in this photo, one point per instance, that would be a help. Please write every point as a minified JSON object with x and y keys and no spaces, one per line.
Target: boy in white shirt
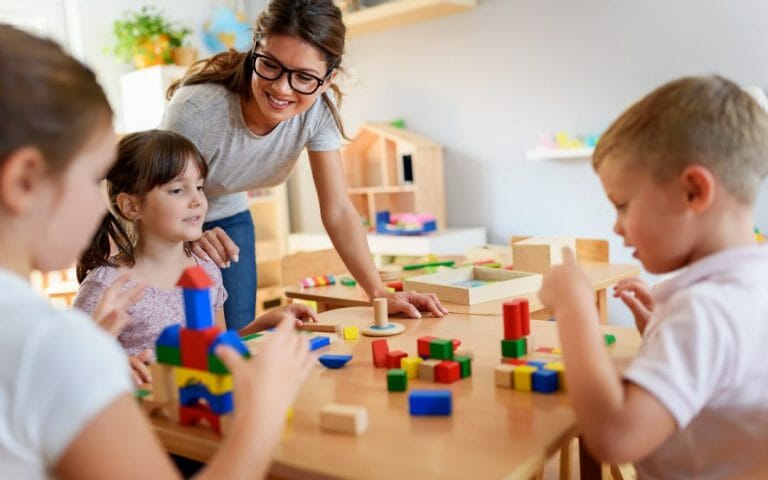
{"x":682,"y":167}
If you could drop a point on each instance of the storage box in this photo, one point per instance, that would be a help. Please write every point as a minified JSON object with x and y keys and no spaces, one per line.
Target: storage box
{"x":468,"y":286}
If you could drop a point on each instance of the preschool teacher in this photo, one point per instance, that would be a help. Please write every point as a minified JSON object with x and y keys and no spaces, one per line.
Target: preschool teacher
{"x":251,"y":114}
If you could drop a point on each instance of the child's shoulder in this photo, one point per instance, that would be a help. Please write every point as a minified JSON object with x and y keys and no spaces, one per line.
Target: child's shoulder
{"x":103,"y":275}
{"x":210,"y":268}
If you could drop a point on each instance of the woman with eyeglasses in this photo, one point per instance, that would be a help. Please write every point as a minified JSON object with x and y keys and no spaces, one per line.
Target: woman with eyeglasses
{"x":251,"y":114}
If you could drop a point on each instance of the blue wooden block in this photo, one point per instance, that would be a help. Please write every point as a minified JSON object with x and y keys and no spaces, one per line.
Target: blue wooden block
{"x":318,"y":342}
{"x":231,"y":338}
{"x":171,"y":337}
{"x":334,"y":361}
{"x":430,"y":402}
{"x":219,"y":404}
{"x":536,"y":363}
{"x":198,"y":309}
{"x":545,"y":381}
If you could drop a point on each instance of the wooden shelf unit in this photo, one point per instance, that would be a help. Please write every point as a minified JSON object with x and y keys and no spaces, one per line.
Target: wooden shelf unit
{"x":397,"y":13}
{"x":393,"y":169}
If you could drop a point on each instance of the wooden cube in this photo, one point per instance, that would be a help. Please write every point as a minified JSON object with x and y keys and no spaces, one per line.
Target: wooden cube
{"x":504,"y":376}
{"x":349,"y":419}
{"x":427,"y":369}
{"x":538,"y":254}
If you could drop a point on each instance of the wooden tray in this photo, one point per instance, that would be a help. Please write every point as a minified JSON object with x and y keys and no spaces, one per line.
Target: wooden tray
{"x":468,"y":286}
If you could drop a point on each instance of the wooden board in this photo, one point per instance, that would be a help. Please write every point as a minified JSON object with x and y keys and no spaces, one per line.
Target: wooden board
{"x":468,"y":286}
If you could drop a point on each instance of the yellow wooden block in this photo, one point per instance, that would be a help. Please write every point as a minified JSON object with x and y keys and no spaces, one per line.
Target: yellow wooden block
{"x":411,"y":366}
{"x":557,"y":351}
{"x":560,"y":369}
{"x":522,"y":375}
{"x":289,"y":414}
{"x":216,"y":383}
{"x":351,"y":333}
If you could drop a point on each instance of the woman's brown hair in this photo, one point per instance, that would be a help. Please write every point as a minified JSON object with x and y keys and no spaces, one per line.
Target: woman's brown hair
{"x":145,"y":160}
{"x":317,"y":22}
{"x":48,"y":99}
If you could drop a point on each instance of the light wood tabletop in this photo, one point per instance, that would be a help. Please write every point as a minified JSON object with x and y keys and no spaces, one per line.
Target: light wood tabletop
{"x":600,"y":274}
{"x":492,"y":433}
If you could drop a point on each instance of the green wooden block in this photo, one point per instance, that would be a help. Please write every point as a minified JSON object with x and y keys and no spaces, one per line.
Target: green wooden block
{"x":348,"y":282}
{"x":441,"y":349}
{"x":215,"y":365}
{"x":514,"y":348}
{"x":168,"y":355}
{"x":397,"y":380}
{"x":609,"y":339}
{"x":465,"y":364}
{"x":250,"y":337}
{"x":141,"y":393}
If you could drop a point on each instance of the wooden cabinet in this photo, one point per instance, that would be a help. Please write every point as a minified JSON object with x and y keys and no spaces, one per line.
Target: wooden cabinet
{"x":389,"y":168}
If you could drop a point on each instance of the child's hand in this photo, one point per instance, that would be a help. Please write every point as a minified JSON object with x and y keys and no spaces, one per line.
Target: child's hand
{"x":111,"y":313}
{"x":216,"y":245}
{"x":636,"y":294}
{"x":140,"y":367}
{"x":294,"y":312}
{"x":412,"y":303}
{"x":267,"y":384}
{"x":565,"y":287}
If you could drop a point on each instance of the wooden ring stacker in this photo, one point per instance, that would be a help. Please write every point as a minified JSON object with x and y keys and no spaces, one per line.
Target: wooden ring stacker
{"x":382,"y":327}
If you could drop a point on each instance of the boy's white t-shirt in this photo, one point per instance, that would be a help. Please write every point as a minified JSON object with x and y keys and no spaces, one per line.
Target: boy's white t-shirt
{"x":58,"y":370}
{"x":705,"y":358}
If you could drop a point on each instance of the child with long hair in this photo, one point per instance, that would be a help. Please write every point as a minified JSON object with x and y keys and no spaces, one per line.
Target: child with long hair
{"x":66,"y":402}
{"x":157,"y":206}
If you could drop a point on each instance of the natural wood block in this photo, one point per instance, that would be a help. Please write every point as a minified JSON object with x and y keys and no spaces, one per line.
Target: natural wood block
{"x":320,"y":327}
{"x":538,"y":254}
{"x":464,"y":352}
{"x":349,"y":419}
{"x":504,"y":375}
{"x":164,"y":387}
{"x":427,"y":370}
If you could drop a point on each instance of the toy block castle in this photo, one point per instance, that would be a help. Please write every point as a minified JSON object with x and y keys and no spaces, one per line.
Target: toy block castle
{"x":187,"y":371}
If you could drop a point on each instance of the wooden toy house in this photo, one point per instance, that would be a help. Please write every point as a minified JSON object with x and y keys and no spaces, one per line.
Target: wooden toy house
{"x":389,"y":168}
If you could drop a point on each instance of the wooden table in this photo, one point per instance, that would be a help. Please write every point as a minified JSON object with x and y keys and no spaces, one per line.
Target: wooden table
{"x":601,"y":275}
{"x":493,"y":432}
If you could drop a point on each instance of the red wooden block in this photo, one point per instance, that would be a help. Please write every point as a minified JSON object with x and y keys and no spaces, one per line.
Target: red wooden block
{"x":422,"y":344}
{"x":195,"y":344}
{"x":394,"y":357}
{"x":525,"y":316}
{"x":544,"y":350}
{"x":194,"y":413}
{"x":397,"y":285}
{"x":447,"y":371}
{"x":514,"y":361}
{"x":194,"y":278}
{"x":379,"y":350}
{"x":513,"y":326}
{"x":456,"y":343}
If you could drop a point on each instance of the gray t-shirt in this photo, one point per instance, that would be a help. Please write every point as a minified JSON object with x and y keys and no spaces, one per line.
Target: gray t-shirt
{"x":238,"y":159}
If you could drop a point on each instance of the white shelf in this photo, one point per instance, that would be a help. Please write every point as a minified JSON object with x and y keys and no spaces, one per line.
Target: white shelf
{"x":559,"y":154}
{"x":401,"y":12}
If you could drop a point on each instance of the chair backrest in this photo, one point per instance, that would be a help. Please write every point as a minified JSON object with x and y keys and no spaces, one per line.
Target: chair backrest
{"x":298,"y":266}
{"x":587,"y":249}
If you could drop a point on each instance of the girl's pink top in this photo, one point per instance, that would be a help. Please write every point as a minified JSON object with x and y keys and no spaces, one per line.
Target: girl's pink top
{"x":157,"y":309}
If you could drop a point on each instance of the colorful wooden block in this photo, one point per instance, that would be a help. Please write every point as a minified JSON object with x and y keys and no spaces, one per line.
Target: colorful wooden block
{"x":231,"y":339}
{"x":609,"y":339}
{"x":456,"y":343}
{"x":397,"y":380}
{"x":251,"y":337}
{"x":525,"y":316}
{"x":427,"y":369}
{"x":447,"y":371}
{"x":423,"y":345}
{"x":349,"y":419}
{"x":514,"y":348}
{"x":351,"y":333}
{"x":394,"y":357}
{"x":544,"y":350}
{"x":168,"y":355}
{"x":536,"y":363}
{"x":503,"y":375}
{"x":334,"y":361}
{"x":522,"y":379}
{"x":215,"y":365}
{"x":465,"y":366}
{"x":557,"y":351}
{"x":513,"y":326}
{"x":216,"y":383}
{"x":441,"y":349}
{"x":544,"y":381}
{"x":513,"y":361}
{"x":198,"y":310}
{"x":318,"y":342}
{"x":411,"y":366}
{"x":430,"y":402}
{"x":192,"y":394}
{"x":379,"y":350}
{"x":195,"y":344}
{"x":170,"y":337}
{"x":558,"y":367}
{"x":193,"y":414}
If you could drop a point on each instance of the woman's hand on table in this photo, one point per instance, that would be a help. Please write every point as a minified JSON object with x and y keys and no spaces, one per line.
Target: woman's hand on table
{"x":412,"y":303}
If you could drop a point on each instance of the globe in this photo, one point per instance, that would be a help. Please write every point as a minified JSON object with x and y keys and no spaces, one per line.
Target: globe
{"x":224,"y":29}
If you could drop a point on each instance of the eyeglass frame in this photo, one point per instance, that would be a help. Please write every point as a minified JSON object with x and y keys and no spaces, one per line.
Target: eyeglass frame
{"x":283,"y":69}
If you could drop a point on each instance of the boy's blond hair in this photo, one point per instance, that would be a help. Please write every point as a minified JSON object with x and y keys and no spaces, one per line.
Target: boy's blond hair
{"x":708,"y":121}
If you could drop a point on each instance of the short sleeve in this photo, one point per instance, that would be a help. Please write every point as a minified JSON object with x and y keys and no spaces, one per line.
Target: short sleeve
{"x":88,"y":295}
{"x":71,"y":371}
{"x":325,"y":134}
{"x":686,"y":357}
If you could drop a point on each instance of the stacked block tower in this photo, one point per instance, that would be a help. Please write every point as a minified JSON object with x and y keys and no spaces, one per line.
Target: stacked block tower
{"x":187,"y":370}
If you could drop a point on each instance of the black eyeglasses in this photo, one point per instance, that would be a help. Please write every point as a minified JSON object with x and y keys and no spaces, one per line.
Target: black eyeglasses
{"x":301,"y":82}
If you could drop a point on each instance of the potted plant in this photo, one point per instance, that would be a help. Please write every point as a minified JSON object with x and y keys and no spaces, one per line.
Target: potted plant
{"x":146,"y":37}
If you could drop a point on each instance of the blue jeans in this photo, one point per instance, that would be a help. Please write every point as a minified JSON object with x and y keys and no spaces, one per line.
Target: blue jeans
{"x":240,"y":277}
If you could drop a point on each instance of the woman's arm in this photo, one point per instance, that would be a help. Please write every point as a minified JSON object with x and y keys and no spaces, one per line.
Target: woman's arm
{"x":343,"y":225}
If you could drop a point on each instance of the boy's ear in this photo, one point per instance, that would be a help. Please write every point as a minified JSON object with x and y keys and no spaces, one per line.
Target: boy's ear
{"x":129,"y":206}
{"x":699,"y":187}
{"x":21,"y":174}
